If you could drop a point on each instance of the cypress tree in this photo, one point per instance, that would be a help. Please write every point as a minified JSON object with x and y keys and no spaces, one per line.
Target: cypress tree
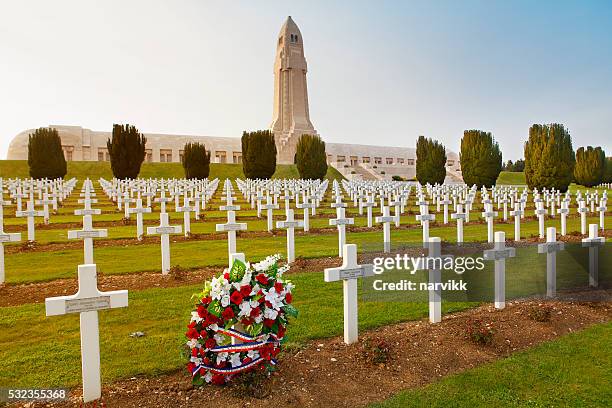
{"x":310,"y":157}
{"x":549,"y":157}
{"x":45,"y":155}
{"x":608,"y":173}
{"x":481,"y":159}
{"x":431,"y":161}
{"x":196,"y":161}
{"x":126,"y":149}
{"x":590,"y":166}
{"x":258,"y":154}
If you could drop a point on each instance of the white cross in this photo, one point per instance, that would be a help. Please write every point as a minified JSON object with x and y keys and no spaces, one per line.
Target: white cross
{"x":290,"y":224}
{"x":517,"y":214}
{"x":139,"y":210}
{"x":341,"y":222}
{"x":127,"y":200}
{"x":582,"y":210}
{"x":164,"y":230}
{"x":550,"y":248}
{"x":87,"y":301}
{"x":540,"y":212}
{"x":593,"y":242}
{"x":231,"y":226}
{"x":369,"y":204}
{"x":460,"y":217}
{"x":2,"y":204}
{"x":445,"y":202}
{"x":306,"y":205}
{"x":269,"y":207}
{"x":499,"y":254}
{"x":87,"y":234}
{"x":386,"y":220}
{"x":163,"y":200}
{"x":186,"y":210}
{"x":434,"y":245}
{"x":348,"y":273}
{"x":564,"y":211}
{"x":425,"y":218}
{"x":489,"y":215}
{"x":602,"y":213}
{"x":30,"y":213}
{"x":5,"y":237}
{"x":45,"y":203}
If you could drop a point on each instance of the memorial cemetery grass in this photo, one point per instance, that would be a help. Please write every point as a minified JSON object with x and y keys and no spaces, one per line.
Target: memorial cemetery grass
{"x":572,"y":371}
{"x":39,"y":351}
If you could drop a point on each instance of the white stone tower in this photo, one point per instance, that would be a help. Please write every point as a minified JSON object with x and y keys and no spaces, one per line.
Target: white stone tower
{"x":291,"y":118}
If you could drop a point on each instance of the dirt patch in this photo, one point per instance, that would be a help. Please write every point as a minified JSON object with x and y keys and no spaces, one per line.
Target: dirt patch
{"x":328,"y":373}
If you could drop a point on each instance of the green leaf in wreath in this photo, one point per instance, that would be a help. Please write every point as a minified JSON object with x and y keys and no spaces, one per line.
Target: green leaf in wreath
{"x":290,"y":310}
{"x":254,"y":329}
{"x":238,"y":270}
{"x":215,"y":308}
{"x":198,"y":380}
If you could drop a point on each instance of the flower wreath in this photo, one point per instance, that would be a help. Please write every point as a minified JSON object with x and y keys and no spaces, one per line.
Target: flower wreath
{"x":239,"y":322}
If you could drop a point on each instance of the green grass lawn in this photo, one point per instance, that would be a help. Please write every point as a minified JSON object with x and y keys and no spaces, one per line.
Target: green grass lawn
{"x":193,"y":254}
{"x":94,"y":170}
{"x":39,"y":351}
{"x":511,"y":177}
{"x":572,"y":371}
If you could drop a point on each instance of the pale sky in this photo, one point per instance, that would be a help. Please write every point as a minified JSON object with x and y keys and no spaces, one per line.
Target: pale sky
{"x":379,"y":72}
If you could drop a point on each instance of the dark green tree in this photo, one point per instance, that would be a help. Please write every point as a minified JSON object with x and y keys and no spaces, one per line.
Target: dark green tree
{"x":549,"y":157}
{"x":480,"y":157}
{"x":45,"y":155}
{"x":590,"y":166}
{"x":431,"y":161}
{"x":608,"y":173}
{"x":310,"y":157}
{"x":126,"y":149}
{"x":258,"y":154}
{"x":508,"y":166}
{"x":196,"y":161}
{"x":519,"y":165}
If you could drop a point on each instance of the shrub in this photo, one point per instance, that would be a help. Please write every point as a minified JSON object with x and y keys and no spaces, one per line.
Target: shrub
{"x":431,"y":161}
{"x":479,"y":332}
{"x":196,"y":161}
{"x":258,"y":154}
{"x":397,"y":178}
{"x":549,"y":157}
{"x":383,"y":172}
{"x":540,"y":313}
{"x":480,"y":157}
{"x":45,"y":155}
{"x":126,"y":149}
{"x":590,"y":166}
{"x":376,"y":351}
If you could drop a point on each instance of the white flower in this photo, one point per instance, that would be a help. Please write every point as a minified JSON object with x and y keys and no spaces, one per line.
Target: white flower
{"x":221,"y":357}
{"x":219,"y":287}
{"x":259,"y":318}
{"x":193,"y":343}
{"x":274,"y":298}
{"x":225,"y":300}
{"x":270,"y":314}
{"x":235,"y":360}
{"x":213,"y":327}
{"x":245,"y":309}
{"x":253,"y":354}
{"x":219,"y":338}
{"x":195,"y":317}
{"x":196,"y":360}
{"x":208,"y":376}
{"x":246,"y":279}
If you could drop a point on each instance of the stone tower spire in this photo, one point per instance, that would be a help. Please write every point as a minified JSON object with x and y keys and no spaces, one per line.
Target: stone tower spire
{"x":291,"y":118}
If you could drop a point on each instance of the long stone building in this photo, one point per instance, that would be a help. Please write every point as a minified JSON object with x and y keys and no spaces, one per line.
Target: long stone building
{"x":290,"y":120}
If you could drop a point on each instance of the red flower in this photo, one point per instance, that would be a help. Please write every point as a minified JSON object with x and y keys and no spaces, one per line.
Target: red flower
{"x":268,"y":322}
{"x":194,"y":352}
{"x":278,"y":286}
{"x":262,"y":279}
{"x":236,"y":297}
{"x":226,"y":275}
{"x":247,"y":321}
{"x":206,"y":300}
{"x":190,"y":366}
{"x":288,"y":298}
{"x":210,"y":343}
{"x":202,"y":312}
{"x":281,"y":331}
{"x":191,"y":325}
{"x":246,"y":360}
{"x":192,"y":333}
{"x":255,"y":312}
{"x":202,"y":371}
{"x":210,"y":319}
{"x":245,"y":290}
{"x":228,"y":313}
{"x":218,"y":379}
{"x":206,"y":361}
